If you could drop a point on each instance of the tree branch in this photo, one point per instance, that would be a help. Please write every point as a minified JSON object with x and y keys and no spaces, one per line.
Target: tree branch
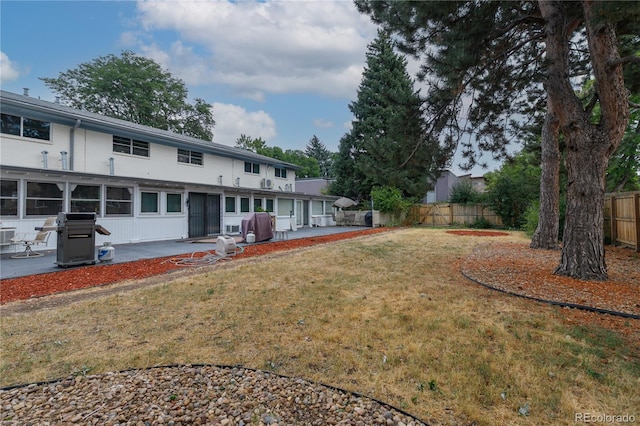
{"x":625,"y":60}
{"x":592,"y":103}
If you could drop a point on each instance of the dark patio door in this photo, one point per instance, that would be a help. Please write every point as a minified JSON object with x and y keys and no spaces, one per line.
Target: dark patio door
{"x":204,"y":214}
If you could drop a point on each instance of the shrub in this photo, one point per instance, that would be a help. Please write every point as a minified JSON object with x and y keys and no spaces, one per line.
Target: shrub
{"x":463,"y":192}
{"x":481,"y":223}
{"x":532,"y":216}
{"x":389,"y":200}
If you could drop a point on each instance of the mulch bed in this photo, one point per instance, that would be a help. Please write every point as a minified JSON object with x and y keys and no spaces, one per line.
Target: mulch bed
{"x":78,"y":278}
{"x":517,"y":269}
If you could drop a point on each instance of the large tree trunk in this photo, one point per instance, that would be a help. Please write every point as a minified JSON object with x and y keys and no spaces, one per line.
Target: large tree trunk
{"x":588,"y":145}
{"x":583,"y":254}
{"x":546,"y":234}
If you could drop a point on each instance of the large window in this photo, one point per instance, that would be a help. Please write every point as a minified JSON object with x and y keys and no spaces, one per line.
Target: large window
{"x":174,"y":203}
{"x":27,"y":127}
{"x":85,"y":198}
{"x":130,"y":146}
{"x":190,"y":157}
{"x":257,"y":204}
{"x":316,"y":207}
{"x":44,"y":198}
{"x":285,"y":207}
{"x":9,"y":198}
{"x":269,"y":207}
{"x":119,"y":201}
{"x":230,"y":204}
{"x":250,"y":167}
{"x":281,"y":173}
{"x":149,"y":202}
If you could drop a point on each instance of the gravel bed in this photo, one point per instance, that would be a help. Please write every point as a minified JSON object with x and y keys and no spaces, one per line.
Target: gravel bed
{"x":192,"y":395}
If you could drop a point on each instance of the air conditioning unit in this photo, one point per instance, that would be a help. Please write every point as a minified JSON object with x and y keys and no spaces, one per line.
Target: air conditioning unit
{"x":232,"y":229}
{"x":268,"y":183}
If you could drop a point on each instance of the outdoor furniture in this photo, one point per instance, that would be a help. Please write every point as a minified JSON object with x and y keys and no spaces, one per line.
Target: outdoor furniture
{"x":41,"y":238}
{"x":282,"y":228}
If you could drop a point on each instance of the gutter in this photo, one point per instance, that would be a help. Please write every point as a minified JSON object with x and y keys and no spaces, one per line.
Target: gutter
{"x":72,"y":143}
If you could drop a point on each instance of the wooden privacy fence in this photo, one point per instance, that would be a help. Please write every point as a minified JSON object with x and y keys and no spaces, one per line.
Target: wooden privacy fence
{"x":622,"y":218}
{"x":439,"y":214}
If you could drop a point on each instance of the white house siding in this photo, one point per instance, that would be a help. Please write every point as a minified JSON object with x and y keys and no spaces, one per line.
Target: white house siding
{"x":88,"y":154}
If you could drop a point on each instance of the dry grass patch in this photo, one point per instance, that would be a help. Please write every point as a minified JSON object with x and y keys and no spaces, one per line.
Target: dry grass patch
{"x":388,"y":315}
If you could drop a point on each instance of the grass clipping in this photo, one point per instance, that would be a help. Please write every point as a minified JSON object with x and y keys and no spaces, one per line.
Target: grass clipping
{"x":389,"y":316}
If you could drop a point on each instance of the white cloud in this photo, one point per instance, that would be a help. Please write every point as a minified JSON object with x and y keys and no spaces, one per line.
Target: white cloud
{"x":9,"y":71}
{"x":321,"y":123}
{"x":233,"y":121}
{"x":257,"y":48}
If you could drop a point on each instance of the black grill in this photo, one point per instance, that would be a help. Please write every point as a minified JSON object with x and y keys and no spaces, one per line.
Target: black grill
{"x":77,"y":238}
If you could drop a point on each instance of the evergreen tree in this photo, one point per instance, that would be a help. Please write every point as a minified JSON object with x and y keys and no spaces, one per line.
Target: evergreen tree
{"x":387,"y":145}
{"x":350,"y":182}
{"x":135,"y":89}
{"x":316,"y":149}
{"x":493,"y":63}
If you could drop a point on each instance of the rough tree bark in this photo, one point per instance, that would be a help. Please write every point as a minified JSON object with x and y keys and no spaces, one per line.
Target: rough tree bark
{"x":546,"y":235}
{"x":588,"y":145}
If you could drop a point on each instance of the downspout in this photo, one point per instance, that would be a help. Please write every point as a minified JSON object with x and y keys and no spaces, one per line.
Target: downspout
{"x":72,"y":140}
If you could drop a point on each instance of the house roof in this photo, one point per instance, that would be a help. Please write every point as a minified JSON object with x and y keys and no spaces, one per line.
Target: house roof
{"x":38,"y":109}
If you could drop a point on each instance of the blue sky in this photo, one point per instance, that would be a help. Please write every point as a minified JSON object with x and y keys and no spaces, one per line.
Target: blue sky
{"x":282,"y":70}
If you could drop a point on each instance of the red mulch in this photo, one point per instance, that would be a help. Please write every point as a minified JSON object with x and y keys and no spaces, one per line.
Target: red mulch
{"x":31,"y":286}
{"x":479,"y":233}
{"x":518,"y":269}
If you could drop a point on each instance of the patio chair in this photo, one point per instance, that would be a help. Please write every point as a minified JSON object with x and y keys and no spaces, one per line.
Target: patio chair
{"x":41,"y":238}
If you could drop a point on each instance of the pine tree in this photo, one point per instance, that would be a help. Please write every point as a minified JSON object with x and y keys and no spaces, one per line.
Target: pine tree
{"x":316,"y":149}
{"x":490,"y":64}
{"x":387,"y":145}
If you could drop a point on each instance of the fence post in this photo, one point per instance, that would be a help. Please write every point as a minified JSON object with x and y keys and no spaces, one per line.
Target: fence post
{"x":614,"y":221}
{"x":636,"y":210}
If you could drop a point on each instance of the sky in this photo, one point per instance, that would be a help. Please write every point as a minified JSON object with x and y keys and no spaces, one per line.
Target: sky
{"x":280,"y":70}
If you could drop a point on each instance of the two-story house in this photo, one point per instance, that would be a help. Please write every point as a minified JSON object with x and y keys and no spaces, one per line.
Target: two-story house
{"x":143,"y":183}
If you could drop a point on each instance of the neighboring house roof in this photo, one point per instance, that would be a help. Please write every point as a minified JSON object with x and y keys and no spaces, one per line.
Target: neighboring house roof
{"x":313,"y":186}
{"x":54,"y":112}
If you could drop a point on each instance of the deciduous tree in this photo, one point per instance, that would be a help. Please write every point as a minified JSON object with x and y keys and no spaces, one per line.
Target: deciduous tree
{"x":136,"y":89}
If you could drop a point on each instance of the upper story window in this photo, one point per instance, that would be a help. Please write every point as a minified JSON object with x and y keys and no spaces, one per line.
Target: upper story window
{"x":189,"y":157}
{"x":27,"y":127}
{"x":130,"y":146}
{"x":281,"y":173}
{"x":250,"y":167}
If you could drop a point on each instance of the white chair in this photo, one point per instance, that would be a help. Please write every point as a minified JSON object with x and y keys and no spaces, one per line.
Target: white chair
{"x":41,"y":238}
{"x":281,"y":229}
